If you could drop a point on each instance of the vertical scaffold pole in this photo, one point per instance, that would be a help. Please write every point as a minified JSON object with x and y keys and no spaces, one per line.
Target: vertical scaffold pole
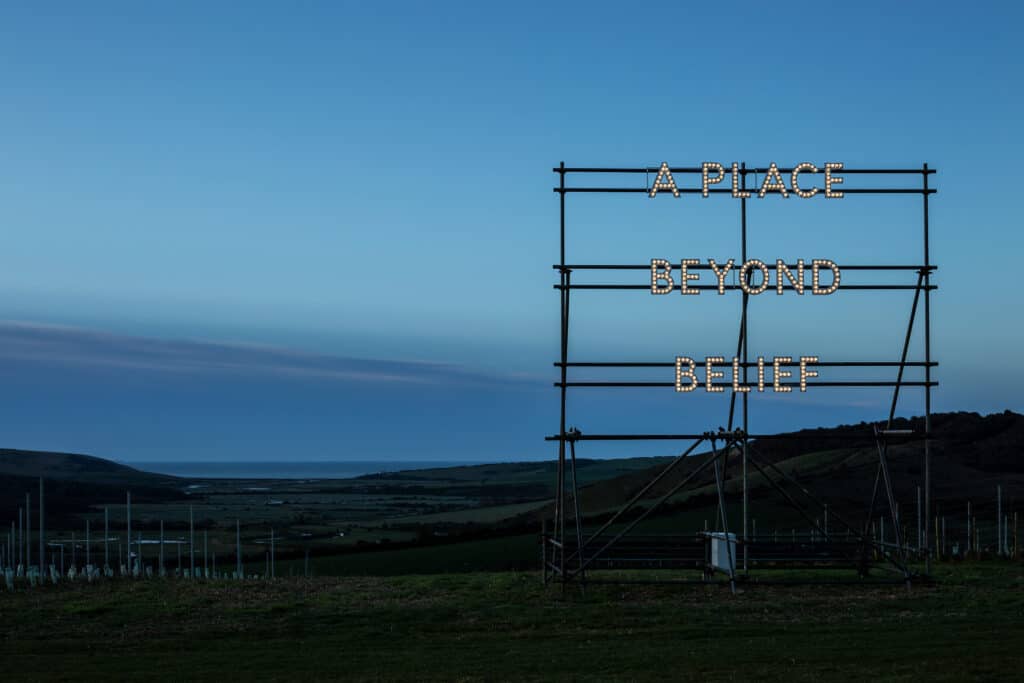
{"x":998,"y":520}
{"x":28,"y":531}
{"x":746,"y":330}
{"x":131,"y":568}
{"x":564,"y":278}
{"x":42,"y":530}
{"x":927,"y":375}
{"x":576,"y":512}
{"x":919,"y":527}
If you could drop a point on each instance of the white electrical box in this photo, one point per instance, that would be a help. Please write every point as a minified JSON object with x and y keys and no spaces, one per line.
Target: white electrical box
{"x":723,"y":551}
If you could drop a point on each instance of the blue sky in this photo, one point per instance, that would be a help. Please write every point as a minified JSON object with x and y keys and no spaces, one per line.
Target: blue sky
{"x":325,"y":231}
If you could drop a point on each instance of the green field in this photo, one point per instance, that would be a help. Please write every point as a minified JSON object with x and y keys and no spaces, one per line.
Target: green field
{"x":505,"y":625}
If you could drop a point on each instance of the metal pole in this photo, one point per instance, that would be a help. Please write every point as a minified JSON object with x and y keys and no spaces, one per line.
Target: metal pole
{"x":943,"y":535}
{"x":576,"y":510}
{"x":969,"y":538}
{"x":561,"y":195}
{"x":106,"y":537}
{"x":128,"y":533}
{"x":206,"y":569}
{"x":888,"y":489}
{"x":21,"y":537}
{"x":272,"y":573}
{"x":544,"y":551}
{"x":88,"y":555}
{"x":868,"y":520}
{"x":927,"y":373}
{"x":42,"y":530}
{"x":561,"y":449}
{"x":741,"y":346}
{"x":746,"y":333}
{"x":28,"y":531}
{"x":919,"y":519}
{"x":564,"y":277}
{"x":160,"y":569}
{"x":730,"y":558}
{"x":999,"y":520}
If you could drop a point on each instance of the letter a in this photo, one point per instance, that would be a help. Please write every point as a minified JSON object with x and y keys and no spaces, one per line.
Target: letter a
{"x":664,"y":181}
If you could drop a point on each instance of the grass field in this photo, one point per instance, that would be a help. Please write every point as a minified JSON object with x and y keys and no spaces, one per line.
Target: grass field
{"x":496,"y":626}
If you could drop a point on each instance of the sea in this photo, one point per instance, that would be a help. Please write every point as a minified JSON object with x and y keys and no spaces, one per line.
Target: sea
{"x":338,"y":469}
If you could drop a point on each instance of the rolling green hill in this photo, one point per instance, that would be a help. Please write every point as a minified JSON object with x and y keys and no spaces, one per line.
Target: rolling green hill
{"x":971,"y":455}
{"x":84,"y":469}
{"x":73,"y":482}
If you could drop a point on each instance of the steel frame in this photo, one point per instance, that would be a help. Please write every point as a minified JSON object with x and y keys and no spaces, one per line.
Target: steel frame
{"x":566,"y":558}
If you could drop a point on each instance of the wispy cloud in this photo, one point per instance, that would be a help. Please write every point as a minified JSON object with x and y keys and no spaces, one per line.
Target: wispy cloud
{"x":59,"y":344}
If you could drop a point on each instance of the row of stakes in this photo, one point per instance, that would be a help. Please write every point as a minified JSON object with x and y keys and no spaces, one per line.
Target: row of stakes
{"x":16,"y":554}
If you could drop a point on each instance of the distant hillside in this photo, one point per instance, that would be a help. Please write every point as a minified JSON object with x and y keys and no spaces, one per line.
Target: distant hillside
{"x":74,"y":481}
{"x":971,"y":454}
{"x":80,"y":468}
{"x":989,"y":443}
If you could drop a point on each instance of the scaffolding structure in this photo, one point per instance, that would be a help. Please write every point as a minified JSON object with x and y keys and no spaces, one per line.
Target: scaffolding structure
{"x":570,"y":549}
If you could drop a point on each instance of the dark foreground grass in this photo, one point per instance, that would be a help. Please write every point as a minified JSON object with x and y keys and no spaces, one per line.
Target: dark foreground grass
{"x":506,"y":626}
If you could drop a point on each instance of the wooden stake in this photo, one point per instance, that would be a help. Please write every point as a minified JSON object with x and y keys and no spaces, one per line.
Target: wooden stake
{"x":238,"y":547}
{"x":191,"y":544}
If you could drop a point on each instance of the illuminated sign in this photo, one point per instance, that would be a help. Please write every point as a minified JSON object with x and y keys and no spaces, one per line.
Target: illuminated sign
{"x":740,"y":374}
{"x":664,"y":282}
{"x":713,"y":173}
{"x":686,"y":375}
